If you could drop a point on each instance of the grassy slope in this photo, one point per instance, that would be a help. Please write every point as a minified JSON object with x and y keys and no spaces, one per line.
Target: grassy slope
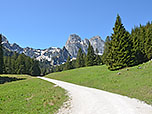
{"x":136,"y":83}
{"x":31,"y":96}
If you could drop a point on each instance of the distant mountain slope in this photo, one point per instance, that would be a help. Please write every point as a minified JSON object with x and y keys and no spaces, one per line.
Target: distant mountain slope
{"x":57,"y":55}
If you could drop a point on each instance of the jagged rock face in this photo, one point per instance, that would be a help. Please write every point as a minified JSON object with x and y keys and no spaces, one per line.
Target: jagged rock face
{"x":74,"y":43}
{"x":53,"y":55}
{"x":57,"y":55}
{"x":11,"y":47}
{"x":97,"y":43}
{"x":5,"y":42}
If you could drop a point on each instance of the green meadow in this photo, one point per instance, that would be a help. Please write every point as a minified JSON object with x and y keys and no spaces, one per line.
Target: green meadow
{"x":29,"y":95}
{"x":135,"y":82}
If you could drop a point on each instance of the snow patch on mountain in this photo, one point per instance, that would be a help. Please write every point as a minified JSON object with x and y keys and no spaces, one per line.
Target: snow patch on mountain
{"x":57,"y":55}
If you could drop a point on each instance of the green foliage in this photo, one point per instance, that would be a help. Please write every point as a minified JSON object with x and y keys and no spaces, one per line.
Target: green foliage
{"x":73,"y":64}
{"x":142,"y":43}
{"x":135,"y":82}
{"x":35,"y":70}
{"x":148,"y":42}
{"x":119,"y":54}
{"x":1,"y":56}
{"x":21,"y":64}
{"x":106,"y":51}
{"x":58,"y":68}
{"x":45,"y":67}
{"x":67,"y":64}
{"x":90,"y":56}
{"x":97,"y":60}
{"x":80,"y":61}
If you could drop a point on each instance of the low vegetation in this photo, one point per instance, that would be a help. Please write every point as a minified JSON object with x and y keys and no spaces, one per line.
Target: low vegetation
{"x":30,"y":95}
{"x":135,"y":82}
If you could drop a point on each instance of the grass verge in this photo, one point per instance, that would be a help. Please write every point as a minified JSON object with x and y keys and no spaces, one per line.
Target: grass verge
{"x":134,"y":82}
{"x":30,"y":96}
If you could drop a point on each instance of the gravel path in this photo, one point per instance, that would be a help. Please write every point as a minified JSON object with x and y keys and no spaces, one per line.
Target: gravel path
{"x":93,"y":101}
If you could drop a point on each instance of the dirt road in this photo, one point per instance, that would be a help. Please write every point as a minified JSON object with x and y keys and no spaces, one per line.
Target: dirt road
{"x":93,"y":101}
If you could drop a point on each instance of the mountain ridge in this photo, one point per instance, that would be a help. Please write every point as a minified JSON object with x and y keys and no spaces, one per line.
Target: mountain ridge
{"x":56,"y":55}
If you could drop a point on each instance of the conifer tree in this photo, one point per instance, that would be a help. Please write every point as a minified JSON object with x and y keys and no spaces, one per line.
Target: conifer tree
{"x":80,"y":60}
{"x":1,"y":56}
{"x":20,"y":63}
{"x":120,"y":49}
{"x":21,"y":69}
{"x":148,"y":43}
{"x":35,"y":70}
{"x":97,"y":60}
{"x":57,"y":69}
{"x":90,"y":56}
{"x":67,"y":64}
{"x":106,"y":50}
{"x":136,"y":49}
{"x":142,"y":43}
{"x":84,"y":58}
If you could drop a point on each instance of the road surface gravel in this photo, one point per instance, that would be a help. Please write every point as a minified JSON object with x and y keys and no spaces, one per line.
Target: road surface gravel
{"x":85,"y":100}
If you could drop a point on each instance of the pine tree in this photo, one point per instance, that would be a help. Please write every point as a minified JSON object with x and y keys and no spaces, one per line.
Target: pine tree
{"x":120,"y":49}
{"x":20,"y":63}
{"x":57,"y":69}
{"x":136,"y":49}
{"x":97,"y":60}
{"x":35,"y":70}
{"x":106,"y":50}
{"x":28,"y":63}
{"x":80,"y":60}
{"x":1,"y":56}
{"x":9,"y":65}
{"x":20,"y":69}
{"x":142,"y":43}
{"x":148,"y":43}
{"x":84,"y":59}
{"x":6,"y":65}
{"x":67,"y":64}
{"x":90,"y":56}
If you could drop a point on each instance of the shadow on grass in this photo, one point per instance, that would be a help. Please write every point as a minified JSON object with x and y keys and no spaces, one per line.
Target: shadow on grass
{"x":9,"y":79}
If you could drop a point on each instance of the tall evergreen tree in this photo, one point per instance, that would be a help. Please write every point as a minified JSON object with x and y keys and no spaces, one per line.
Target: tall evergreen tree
{"x":80,"y":60}
{"x":1,"y":56}
{"x":35,"y":69}
{"x":120,"y":50}
{"x":20,"y":63}
{"x":142,"y":43}
{"x":57,"y":69}
{"x":84,"y":58}
{"x":67,"y":64}
{"x":148,"y":43}
{"x":97,"y":60}
{"x":106,"y":50}
{"x":90,"y":56}
{"x":136,"y":45}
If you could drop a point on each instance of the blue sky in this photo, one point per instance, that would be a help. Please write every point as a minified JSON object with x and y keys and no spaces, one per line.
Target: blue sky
{"x":46,"y":23}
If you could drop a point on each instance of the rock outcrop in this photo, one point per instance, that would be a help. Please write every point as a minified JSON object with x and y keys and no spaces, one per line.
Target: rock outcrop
{"x":74,"y":42}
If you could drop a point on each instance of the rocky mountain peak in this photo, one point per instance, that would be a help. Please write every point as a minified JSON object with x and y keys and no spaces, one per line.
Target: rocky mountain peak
{"x":4,"y":39}
{"x":57,"y":55}
{"x":74,"y":43}
{"x":97,"y":43}
{"x":95,"y":38}
{"x":73,"y":38}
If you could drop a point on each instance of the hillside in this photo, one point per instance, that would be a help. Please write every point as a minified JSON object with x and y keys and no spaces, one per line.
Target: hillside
{"x":29,"y":95}
{"x":134,"y":82}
